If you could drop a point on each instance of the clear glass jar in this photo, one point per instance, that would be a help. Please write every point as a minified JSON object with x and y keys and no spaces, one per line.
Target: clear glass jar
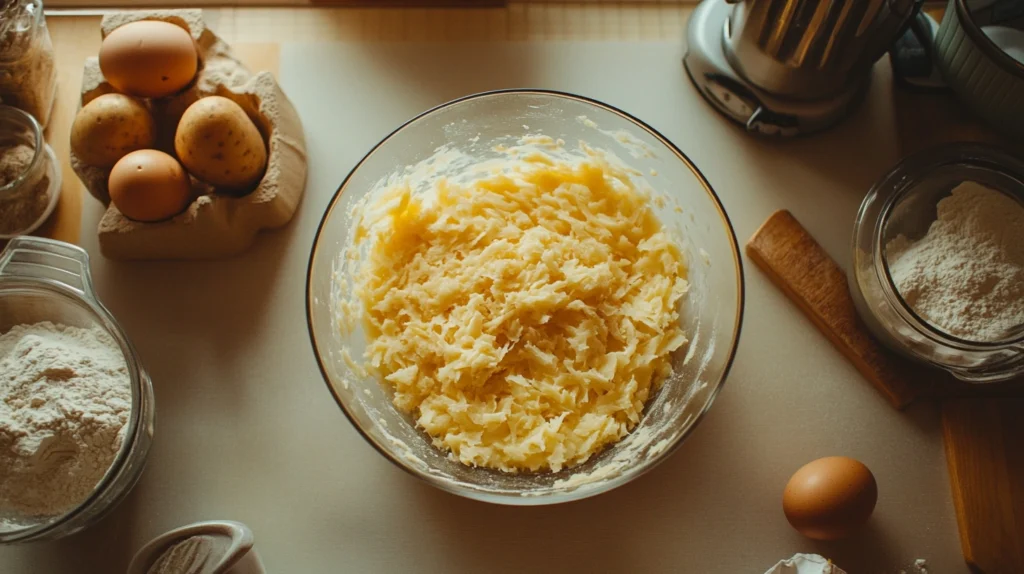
{"x":48,"y":280}
{"x":904,"y":203}
{"x":28,"y":76}
{"x":30,"y":177}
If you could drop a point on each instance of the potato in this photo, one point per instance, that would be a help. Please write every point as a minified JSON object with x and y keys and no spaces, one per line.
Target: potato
{"x":109,"y":128}
{"x":219,"y":144}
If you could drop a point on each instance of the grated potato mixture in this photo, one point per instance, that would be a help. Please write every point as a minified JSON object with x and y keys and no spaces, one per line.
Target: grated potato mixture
{"x":522,"y":319}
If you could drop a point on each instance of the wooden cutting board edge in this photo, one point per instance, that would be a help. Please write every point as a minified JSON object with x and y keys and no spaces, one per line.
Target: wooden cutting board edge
{"x":984,"y":444}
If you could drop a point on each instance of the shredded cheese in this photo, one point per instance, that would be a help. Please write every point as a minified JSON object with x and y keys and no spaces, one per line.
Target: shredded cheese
{"x":525,"y":317}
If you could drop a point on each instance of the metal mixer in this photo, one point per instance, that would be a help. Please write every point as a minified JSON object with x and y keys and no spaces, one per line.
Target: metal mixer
{"x":788,"y":67}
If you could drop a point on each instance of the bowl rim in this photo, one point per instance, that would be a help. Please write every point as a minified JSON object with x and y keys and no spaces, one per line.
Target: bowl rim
{"x":578,"y":493}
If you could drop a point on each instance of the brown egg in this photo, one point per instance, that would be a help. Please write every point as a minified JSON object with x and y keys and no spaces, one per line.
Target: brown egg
{"x":829,"y":498}
{"x":149,"y":185}
{"x":150,"y":59}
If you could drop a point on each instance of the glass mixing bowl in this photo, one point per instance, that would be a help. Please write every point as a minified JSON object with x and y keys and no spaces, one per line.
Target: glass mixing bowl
{"x":47,"y":280}
{"x":711,"y":313}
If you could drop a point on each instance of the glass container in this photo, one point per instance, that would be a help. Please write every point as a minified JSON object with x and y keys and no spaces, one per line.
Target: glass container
{"x":711,"y":313}
{"x":904,"y":203}
{"x":28,"y":76}
{"x":48,"y":280}
{"x":30,"y":177}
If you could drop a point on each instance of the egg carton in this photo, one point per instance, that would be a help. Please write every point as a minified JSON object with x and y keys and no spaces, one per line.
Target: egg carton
{"x":215,"y":224}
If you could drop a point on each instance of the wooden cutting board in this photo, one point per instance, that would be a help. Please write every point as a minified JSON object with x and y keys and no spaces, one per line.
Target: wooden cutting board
{"x":985,"y":452}
{"x":984,"y":437}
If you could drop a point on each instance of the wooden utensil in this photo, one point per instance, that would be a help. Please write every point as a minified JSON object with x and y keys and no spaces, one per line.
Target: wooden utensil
{"x":798,"y":265}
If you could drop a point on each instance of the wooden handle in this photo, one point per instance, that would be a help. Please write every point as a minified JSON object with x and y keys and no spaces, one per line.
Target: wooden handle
{"x":806,"y":274}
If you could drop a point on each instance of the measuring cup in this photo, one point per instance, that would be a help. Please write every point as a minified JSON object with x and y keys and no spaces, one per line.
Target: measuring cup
{"x":48,"y":280}
{"x":217,"y":547}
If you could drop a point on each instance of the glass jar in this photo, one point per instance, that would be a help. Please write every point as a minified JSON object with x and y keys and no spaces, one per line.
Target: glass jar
{"x":30,"y":176}
{"x":28,"y":76}
{"x":904,"y":203}
{"x":47,"y":280}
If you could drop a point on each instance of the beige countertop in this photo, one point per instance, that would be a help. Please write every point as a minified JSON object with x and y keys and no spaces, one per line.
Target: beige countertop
{"x":246,"y":429}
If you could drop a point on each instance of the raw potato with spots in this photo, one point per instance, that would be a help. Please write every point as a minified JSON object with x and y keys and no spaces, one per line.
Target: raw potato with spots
{"x":219,"y":144}
{"x":109,"y":128}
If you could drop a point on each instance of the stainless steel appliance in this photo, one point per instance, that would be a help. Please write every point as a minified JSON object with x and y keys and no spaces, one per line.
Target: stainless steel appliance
{"x":788,"y":67}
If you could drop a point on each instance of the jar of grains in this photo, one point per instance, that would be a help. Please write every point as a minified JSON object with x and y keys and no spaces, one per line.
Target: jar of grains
{"x":28,"y":76}
{"x":30,"y":176}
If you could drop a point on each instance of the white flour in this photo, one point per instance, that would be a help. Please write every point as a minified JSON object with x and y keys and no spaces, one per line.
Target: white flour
{"x":966,"y":275}
{"x":65,"y":399}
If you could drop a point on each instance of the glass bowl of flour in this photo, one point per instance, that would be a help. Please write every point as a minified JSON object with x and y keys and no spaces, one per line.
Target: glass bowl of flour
{"x":938,"y":261}
{"x":518,"y":142}
{"x":76,"y":406}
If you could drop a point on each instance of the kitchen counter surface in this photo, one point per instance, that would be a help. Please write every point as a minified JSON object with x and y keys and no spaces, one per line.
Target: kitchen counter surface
{"x":246,"y":429}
